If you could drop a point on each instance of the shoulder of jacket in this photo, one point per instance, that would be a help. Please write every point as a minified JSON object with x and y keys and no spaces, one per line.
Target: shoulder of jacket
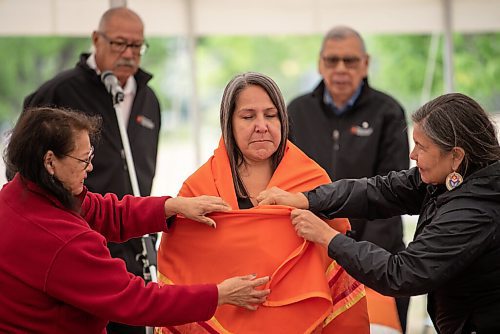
{"x":385,"y":99}
{"x":61,"y":79}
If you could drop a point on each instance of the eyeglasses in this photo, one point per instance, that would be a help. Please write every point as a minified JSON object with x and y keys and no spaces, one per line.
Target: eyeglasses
{"x":86,"y":161}
{"x":121,"y":45}
{"x":349,"y":61}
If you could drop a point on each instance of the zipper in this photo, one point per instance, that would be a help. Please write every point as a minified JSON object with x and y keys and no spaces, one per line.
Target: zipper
{"x":336,"y":141}
{"x":335,"y":152}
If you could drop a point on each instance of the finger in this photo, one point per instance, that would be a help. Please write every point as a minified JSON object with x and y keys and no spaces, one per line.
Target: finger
{"x":220,"y":207}
{"x":260,"y":281}
{"x":267,"y":201}
{"x":297,"y":213}
{"x":218,"y":200}
{"x":208,"y":221}
{"x":261,"y":293}
{"x":256,"y":301}
{"x":226,"y":204}
{"x":248,"y":277}
{"x":262,"y":195}
{"x":250,"y":307}
{"x":219,"y":204}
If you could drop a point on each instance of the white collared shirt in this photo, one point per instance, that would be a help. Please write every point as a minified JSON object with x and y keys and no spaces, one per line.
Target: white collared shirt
{"x":124,"y":107}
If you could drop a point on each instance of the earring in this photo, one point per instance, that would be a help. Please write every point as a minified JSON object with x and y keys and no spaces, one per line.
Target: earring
{"x":453,"y":180}
{"x":51,"y":177}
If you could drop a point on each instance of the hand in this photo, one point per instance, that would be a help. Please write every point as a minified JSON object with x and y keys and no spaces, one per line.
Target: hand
{"x":277,"y":196}
{"x":196,"y":208}
{"x":312,"y":228}
{"x":240,"y":291}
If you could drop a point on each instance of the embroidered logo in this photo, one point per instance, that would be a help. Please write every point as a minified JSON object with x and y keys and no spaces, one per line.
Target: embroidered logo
{"x":145,"y":122}
{"x":362,"y":131}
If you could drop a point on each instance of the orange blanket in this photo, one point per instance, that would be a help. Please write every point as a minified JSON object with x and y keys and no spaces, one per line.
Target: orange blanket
{"x":309,"y":292}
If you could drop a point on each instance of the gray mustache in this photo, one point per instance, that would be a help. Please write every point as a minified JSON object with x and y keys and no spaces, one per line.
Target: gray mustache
{"x":126,"y":62}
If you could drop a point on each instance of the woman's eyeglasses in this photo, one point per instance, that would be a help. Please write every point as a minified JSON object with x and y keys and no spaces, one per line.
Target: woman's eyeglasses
{"x":86,"y":161}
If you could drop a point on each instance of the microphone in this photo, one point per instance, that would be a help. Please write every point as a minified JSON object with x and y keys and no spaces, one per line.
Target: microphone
{"x":112,"y":86}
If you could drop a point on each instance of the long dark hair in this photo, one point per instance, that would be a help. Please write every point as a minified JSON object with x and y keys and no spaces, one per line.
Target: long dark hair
{"x":456,"y":120}
{"x":228,"y":104}
{"x":39,"y":130}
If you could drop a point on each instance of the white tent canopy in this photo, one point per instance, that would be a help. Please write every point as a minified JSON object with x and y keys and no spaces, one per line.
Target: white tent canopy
{"x":255,"y":17}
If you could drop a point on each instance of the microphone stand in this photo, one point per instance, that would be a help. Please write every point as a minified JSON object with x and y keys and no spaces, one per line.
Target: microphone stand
{"x":149,"y":252}
{"x":148,"y":255}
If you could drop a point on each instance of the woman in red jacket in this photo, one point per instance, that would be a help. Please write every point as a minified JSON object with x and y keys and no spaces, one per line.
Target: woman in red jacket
{"x":61,"y":278}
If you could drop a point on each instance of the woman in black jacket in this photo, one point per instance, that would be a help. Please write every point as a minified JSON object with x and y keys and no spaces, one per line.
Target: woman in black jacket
{"x":455,"y":190}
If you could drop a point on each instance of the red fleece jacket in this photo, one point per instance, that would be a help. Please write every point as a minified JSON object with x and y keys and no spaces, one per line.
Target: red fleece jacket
{"x":56,"y":274}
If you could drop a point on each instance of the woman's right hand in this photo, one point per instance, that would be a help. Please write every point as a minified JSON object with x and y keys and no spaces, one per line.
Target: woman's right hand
{"x":241,"y":291}
{"x":196,"y":208}
{"x":312,"y":228}
{"x":277,"y":196}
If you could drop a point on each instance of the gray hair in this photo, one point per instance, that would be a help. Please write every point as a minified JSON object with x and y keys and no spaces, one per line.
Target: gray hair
{"x":227,"y":108}
{"x":456,"y":120}
{"x":341,"y":33}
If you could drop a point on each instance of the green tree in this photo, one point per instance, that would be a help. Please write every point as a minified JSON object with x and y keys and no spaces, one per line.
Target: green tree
{"x":27,"y":62}
{"x":477,"y":68}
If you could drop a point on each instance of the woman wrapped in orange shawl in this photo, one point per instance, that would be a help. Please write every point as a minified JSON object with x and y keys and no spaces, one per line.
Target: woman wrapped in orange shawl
{"x":309,"y":292}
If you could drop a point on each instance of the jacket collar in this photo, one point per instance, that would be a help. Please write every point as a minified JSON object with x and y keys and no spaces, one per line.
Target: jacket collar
{"x":490,"y":172}
{"x":319,"y":92}
{"x":35,"y":188}
{"x":141,"y":77}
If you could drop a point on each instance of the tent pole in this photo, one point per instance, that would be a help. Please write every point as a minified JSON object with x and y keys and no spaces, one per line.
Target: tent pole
{"x":448,"y":47}
{"x":194,"y":108}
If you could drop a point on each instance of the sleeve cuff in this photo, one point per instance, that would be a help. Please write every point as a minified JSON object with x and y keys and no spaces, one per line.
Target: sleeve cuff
{"x":338,"y":243}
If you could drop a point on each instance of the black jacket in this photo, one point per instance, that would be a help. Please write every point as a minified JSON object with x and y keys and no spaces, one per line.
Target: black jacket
{"x":368,"y":139}
{"x":455,"y":255}
{"x":81,"y":89}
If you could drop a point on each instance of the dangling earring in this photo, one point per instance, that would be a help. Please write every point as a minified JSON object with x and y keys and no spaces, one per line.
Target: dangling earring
{"x":453,"y":180}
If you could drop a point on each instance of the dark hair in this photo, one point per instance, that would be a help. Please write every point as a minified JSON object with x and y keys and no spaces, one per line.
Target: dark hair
{"x":228,"y":104}
{"x":339,"y":33}
{"x":39,"y":130}
{"x":456,"y":120}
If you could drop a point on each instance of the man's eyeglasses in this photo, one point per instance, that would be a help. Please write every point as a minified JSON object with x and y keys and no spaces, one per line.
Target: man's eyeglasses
{"x":349,"y":62}
{"x":86,"y":161}
{"x":121,"y":45}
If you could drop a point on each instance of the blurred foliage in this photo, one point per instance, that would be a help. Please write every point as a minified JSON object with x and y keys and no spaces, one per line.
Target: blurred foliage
{"x":397,"y":66}
{"x":477,"y":67}
{"x":27,"y":62}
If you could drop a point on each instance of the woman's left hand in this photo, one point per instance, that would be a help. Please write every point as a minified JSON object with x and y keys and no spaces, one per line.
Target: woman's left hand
{"x":195,"y":208}
{"x":277,"y":196}
{"x":311,"y":227}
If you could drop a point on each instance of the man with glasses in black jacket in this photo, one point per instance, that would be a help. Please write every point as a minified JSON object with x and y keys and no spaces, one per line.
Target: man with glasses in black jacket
{"x":353,"y":130}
